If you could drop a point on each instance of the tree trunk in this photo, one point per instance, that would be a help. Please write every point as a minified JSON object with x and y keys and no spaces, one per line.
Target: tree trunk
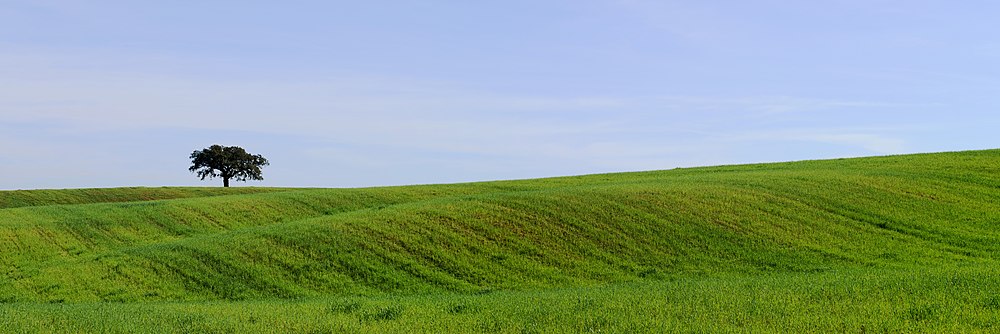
{"x":225,"y":182}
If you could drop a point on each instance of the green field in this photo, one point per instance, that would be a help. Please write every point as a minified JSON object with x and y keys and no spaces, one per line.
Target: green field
{"x":886,"y":244}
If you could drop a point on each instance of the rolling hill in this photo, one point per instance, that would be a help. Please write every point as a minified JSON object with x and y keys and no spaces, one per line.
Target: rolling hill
{"x":878,"y":220}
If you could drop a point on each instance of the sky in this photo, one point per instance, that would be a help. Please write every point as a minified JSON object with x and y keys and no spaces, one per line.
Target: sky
{"x":104,"y":93}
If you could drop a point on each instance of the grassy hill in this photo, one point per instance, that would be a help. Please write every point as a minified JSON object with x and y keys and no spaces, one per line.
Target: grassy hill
{"x":927,"y":225}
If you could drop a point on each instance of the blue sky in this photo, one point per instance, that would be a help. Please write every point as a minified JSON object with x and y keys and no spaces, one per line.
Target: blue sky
{"x":365,"y":93}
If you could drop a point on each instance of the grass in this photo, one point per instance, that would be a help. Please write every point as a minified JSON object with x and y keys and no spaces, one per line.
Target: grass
{"x":881,"y":301}
{"x":885,"y":244}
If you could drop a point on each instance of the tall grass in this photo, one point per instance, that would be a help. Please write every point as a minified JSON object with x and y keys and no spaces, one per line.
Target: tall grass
{"x":945,"y":300}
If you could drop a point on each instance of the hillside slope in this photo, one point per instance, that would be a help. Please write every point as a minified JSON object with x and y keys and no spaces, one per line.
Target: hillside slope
{"x":887,"y":212}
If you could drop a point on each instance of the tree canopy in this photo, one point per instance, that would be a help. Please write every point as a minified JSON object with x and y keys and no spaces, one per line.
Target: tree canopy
{"x":227,"y":162}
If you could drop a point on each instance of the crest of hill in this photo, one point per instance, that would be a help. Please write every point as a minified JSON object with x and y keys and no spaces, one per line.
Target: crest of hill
{"x":913,"y":211}
{"x":23,"y":198}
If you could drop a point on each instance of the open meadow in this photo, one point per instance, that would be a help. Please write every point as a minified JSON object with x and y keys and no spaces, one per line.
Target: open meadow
{"x":885,"y":244}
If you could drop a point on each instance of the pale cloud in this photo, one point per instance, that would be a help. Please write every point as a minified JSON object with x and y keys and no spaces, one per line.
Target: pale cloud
{"x":406,"y":113}
{"x":770,"y":105}
{"x":875,"y":143}
{"x":871,"y":140}
{"x":786,"y":104}
{"x":349,"y":107}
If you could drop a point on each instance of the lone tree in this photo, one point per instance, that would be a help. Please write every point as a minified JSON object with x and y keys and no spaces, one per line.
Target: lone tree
{"x":227,"y":162}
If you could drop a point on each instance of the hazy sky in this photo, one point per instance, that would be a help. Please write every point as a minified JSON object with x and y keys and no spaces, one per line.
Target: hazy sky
{"x":361,"y":93}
